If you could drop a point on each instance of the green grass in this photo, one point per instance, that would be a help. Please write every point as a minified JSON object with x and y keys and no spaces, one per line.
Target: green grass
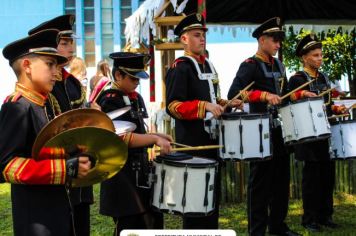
{"x":232,"y":216}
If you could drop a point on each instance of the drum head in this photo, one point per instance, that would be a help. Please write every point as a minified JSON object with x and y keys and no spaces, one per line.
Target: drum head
{"x":182,"y":159}
{"x":232,"y":115}
{"x":300,"y":101}
{"x":174,"y":156}
{"x":243,"y":116}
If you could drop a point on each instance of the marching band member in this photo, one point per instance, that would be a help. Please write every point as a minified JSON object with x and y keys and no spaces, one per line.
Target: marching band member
{"x":68,"y":94}
{"x":318,"y":170}
{"x":126,"y":196}
{"x":40,"y":204}
{"x":192,"y":92}
{"x":268,"y":186}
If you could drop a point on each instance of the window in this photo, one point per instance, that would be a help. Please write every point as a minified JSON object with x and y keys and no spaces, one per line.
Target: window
{"x":107,"y":28}
{"x":126,"y":11}
{"x":89,"y":32}
{"x":70,"y":8}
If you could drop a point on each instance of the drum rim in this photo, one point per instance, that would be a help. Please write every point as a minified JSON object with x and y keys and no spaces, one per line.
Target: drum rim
{"x":300,"y":101}
{"x":334,"y":123}
{"x":175,"y":212}
{"x":245,"y":116}
{"x":309,"y":139}
{"x":266,"y":158}
{"x":343,"y":158}
{"x":169,"y":162}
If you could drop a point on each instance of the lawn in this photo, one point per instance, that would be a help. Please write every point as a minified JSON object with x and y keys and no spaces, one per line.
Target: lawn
{"x":232,"y":216}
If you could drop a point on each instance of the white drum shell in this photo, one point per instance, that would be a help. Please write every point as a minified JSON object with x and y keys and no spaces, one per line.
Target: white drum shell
{"x":250,"y":137}
{"x":173,"y":189}
{"x":343,"y":139}
{"x":304,"y":121}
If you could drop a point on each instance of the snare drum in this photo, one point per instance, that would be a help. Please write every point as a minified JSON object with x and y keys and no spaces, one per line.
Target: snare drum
{"x":343,"y":140}
{"x":184,"y":184}
{"x":245,"y":136}
{"x":304,"y":120}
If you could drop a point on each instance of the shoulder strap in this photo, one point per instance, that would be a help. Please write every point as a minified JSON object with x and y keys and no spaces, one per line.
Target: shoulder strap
{"x":205,"y":76}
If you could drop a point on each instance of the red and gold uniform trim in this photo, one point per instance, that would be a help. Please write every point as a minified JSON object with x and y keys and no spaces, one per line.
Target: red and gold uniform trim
{"x":312,"y":72}
{"x":31,"y":95}
{"x":14,"y":97}
{"x":298,"y":95}
{"x":52,"y":153}
{"x":189,"y":110}
{"x":28,"y":171}
{"x":255,"y":96}
{"x":265,"y":58}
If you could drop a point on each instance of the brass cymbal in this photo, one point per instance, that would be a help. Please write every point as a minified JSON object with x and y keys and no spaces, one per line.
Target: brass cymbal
{"x":118,"y":112}
{"x":83,"y":117}
{"x":122,"y":127}
{"x":109,"y":151}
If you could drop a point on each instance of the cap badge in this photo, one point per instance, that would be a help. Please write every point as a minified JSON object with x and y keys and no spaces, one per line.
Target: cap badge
{"x":198,"y":17}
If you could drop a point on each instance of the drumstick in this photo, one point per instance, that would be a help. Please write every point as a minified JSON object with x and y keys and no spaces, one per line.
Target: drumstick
{"x":300,"y":87}
{"x":352,"y":106}
{"x":195,"y":148}
{"x":180,"y":144}
{"x":238,"y":95}
{"x":325,"y":92}
{"x":338,"y":116}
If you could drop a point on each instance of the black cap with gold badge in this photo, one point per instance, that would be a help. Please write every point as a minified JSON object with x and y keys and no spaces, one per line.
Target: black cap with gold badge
{"x":64,"y":24}
{"x":133,"y":64}
{"x":41,"y":43}
{"x":192,"y":21}
{"x":306,"y":44}
{"x":271,"y":27}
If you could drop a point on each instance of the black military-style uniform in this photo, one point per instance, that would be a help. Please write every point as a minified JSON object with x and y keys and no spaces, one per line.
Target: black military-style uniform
{"x":36,"y":209}
{"x":268,"y":186}
{"x":68,"y":94}
{"x":183,"y":84}
{"x":319,"y":170}
{"x":120,"y":197}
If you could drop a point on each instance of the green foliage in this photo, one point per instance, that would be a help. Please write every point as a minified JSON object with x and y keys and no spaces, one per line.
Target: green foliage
{"x":338,"y":54}
{"x":232,"y":216}
{"x":338,"y":50}
{"x":290,"y":60}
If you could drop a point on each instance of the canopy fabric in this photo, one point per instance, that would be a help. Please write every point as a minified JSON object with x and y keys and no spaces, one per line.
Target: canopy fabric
{"x":257,"y":11}
{"x":317,"y":15}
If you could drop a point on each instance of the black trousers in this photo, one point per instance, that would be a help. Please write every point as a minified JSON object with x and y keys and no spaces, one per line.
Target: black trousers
{"x":147,"y":220}
{"x":268,"y":195}
{"x":317,"y":190}
{"x":81,"y":216}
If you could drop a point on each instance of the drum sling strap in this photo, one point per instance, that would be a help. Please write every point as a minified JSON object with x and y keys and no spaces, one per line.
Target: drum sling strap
{"x":275,"y":75}
{"x":210,"y":125}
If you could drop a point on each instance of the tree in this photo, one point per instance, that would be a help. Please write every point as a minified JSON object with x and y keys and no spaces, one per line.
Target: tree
{"x":339,"y":50}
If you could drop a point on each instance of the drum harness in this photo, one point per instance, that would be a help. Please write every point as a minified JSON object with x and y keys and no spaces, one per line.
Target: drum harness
{"x":138,"y":112}
{"x":211,"y":125}
{"x":278,"y":81}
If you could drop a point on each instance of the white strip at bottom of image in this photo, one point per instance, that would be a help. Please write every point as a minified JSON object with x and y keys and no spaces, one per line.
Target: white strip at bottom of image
{"x":181,"y":232}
